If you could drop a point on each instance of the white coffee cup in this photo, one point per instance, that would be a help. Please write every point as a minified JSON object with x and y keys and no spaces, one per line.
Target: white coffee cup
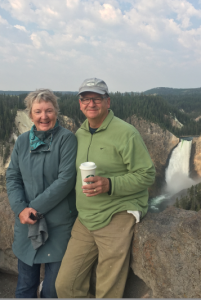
{"x":88,"y":169}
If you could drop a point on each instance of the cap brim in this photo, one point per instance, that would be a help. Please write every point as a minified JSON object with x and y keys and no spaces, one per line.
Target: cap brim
{"x":92,"y":89}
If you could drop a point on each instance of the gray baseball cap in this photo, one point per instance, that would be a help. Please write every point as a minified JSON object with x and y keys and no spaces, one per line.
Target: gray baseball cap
{"x":93,"y":85}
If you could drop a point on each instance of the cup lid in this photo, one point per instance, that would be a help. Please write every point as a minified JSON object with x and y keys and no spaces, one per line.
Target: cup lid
{"x":88,"y":165}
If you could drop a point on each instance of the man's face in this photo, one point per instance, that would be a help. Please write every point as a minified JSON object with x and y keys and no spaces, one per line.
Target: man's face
{"x":95,"y":112}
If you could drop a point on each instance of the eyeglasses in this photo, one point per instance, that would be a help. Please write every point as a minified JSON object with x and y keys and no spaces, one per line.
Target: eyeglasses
{"x":95,"y":100}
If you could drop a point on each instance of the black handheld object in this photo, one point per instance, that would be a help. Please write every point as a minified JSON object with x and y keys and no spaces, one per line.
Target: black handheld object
{"x":38,"y":216}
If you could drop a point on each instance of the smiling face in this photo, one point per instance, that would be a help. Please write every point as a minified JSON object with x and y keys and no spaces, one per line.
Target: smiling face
{"x":43,"y":115}
{"x":95,"y":113}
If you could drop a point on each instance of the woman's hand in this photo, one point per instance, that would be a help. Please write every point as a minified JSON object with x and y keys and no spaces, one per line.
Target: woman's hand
{"x":100,"y":185}
{"x":24,"y":216}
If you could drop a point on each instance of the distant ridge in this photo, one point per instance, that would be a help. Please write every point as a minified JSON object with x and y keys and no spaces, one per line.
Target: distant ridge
{"x":16,"y":93}
{"x":155,"y":91}
{"x":172,"y":91}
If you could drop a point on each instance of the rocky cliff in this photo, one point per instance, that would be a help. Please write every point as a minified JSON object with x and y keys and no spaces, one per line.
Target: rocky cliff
{"x":166,"y":253}
{"x":8,"y":261}
{"x":68,"y":123}
{"x":160,"y":144}
{"x":195,"y":162}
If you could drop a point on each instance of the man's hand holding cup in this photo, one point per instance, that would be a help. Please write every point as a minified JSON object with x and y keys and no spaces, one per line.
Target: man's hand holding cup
{"x":98,"y":185}
{"x":92,"y":185}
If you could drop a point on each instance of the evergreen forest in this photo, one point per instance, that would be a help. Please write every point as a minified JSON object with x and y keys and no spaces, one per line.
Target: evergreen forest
{"x":153,"y":108}
{"x":192,"y":200}
{"x":8,"y":110}
{"x":190,"y":104}
{"x":149,"y":107}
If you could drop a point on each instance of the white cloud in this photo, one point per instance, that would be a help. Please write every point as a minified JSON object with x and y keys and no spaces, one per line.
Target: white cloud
{"x":79,"y":38}
{"x":144,"y":46}
{"x":36,"y":40}
{"x":72,"y":3}
{"x":3,"y":21}
{"x":109,"y":13}
{"x":16,"y":4}
{"x":22,"y":28}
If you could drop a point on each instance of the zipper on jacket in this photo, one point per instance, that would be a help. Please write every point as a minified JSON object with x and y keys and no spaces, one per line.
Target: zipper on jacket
{"x":89,"y":146}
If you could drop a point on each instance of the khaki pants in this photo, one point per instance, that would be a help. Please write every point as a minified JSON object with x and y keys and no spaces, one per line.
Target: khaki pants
{"x":111,"y":245}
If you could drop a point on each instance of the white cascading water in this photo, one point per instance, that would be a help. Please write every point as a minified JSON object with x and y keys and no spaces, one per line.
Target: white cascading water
{"x":177,"y":173}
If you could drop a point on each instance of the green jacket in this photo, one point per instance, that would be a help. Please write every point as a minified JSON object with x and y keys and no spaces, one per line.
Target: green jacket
{"x":121,"y":155}
{"x":43,"y":179}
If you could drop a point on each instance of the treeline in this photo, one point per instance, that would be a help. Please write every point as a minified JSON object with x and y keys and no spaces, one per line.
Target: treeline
{"x":191,"y":104}
{"x":192,"y":201}
{"x":69,"y":106}
{"x":149,"y":107}
{"x":154,"y":109}
{"x":8,"y":109}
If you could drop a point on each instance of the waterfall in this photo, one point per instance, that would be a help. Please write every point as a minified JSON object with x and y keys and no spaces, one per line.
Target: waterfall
{"x":177,"y":172}
{"x":176,"y":176}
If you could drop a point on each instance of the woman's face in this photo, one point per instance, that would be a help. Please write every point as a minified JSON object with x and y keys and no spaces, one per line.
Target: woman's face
{"x":43,"y":115}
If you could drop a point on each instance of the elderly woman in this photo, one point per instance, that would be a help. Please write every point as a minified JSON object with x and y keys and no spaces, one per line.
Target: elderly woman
{"x":40,"y":186}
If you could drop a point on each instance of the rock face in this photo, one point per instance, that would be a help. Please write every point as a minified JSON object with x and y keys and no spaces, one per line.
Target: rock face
{"x":22,"y":121}
{"x":166,"y":253}
{"x":160,"y":144}
{"x":22,"y":124}
{"x":195,"y":163}
{"x":68,"y":123}
{"x":8,"y":261}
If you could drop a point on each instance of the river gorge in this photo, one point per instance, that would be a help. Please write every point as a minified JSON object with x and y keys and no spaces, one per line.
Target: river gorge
{"x":166,"y":245}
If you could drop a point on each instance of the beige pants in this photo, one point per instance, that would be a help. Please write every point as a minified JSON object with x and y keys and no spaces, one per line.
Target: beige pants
{"x":111,"y":245}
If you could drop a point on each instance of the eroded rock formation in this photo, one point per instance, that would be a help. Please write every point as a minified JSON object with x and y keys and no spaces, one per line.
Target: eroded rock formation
{"x":159,"y":143}
{"x":22,"y":121}
{"x":195,"y":163}
{"x":166,"y":253}
{"x":8,"y":261}
{"x":68,"y":123}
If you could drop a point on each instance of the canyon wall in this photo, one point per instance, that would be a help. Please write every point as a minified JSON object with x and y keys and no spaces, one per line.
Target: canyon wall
{"x":160,"y":144}
{"x":166,"y":253}
{"x":195,"y":162}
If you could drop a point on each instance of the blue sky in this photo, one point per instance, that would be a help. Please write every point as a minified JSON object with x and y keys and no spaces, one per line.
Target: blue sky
{"x":134,"y":45}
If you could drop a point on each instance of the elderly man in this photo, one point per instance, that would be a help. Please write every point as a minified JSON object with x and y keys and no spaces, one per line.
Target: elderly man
{"x":110,"y":205}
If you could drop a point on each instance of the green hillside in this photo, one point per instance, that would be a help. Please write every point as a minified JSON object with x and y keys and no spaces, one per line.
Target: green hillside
{"x":8,"y":109}
{"x":148,"y":107}
{"x":188,"y":100}
{"x":190,"y":104}
{"x":163,"y":91}
{"x":151,"y":108}
{"x":17,"y":93}
{"x":192,"y":200}
{"x":13,"y":93}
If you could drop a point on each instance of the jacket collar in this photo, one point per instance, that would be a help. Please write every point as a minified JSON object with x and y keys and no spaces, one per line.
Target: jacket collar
{"x":38,"y":138}
{"x":104,"y":125}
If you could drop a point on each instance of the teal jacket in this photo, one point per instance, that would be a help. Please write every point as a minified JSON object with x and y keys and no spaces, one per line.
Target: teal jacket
{"x":43,"y":179}
{"x":121,"y":155}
